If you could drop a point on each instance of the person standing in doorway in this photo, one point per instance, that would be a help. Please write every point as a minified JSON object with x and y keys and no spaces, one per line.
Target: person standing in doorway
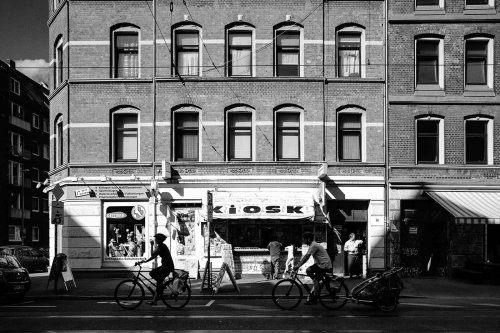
{"x":274,"y":248}
{"x":354,"y":262}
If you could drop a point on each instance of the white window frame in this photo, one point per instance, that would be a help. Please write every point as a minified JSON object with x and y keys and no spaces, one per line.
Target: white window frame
{"x":45,"y":205}
{"x":440,"y":138}
{"x":125,"y":29}
{"x":187,"y":28}
{"x":490,"y":67}
{"x":17,"y":233}
{"x":35,"y":234}
{"x":125,"y":111}
{"x":36,"y":120}
{"x":289,"y":27}
{"x":440,"y":6}
{"x":59,"y":143}
{"x":290,"y":109}
{"x":37,"y":208}
{"x":491,"y":4}
{"x":489,"y":139}
{"x":440,"y":85}
{"x":353,"y":29}
{"x":353,"y":110}
{"x":242,"y":28}
{"x":15,"y":86}
{"x":189,"y":109}
{"x":241,"y":109}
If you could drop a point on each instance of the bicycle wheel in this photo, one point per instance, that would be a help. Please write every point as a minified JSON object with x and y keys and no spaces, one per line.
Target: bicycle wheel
{"x":385,"y":300}
{"x":333,"y":298}
{"x":176,"y":300}
{"x":129,"y":294}
{"x":287,"y":294}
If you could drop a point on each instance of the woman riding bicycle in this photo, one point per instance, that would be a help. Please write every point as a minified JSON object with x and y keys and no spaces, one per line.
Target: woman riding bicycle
{"x":165,"y":269}
{"x":322,"y":265}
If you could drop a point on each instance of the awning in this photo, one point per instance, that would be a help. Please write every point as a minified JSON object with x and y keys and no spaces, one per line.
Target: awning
{"x":470,"y":207}
{"x":263,"y":205}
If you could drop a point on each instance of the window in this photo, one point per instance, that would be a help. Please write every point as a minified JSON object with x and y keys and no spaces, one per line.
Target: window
{"x":59,"y":144}
{"x":186,"y":136}
{"x":349,"y":137}
{"x":125,"y":137}
{"x":187,"y":52}
{"x":240,"y":136}
{"x":45,"y":125}
{"x":428,"y":61}
{"x":15,"y":200}
{"x":427,"y":3}
{"x":45,"y":205}
{"x":58,"y":62}
{"x":239,"y":53}
{"x":430,"y":140}
{"x":36,"y":149}
{"x":478,"y":62}
{"x":478,"y":140}
{"x":14,"y":233}
{"x":35,"y":234}
{"x":15,"y":177}
{"x":36,"y":174}
{"x":126,"y":52}
{"x":16,"y":144}
{"x":288,"y":52}
{"x":125,"y":237}
{"x":349,"y":54}
{"x":478,"y":2}
{"x":35,"y":204}
{"x":15,"y":86}
{"x":36,"y":120}
{"x":288,"y":136}
{"x":17,"y":110}
{"x":46,"y":152}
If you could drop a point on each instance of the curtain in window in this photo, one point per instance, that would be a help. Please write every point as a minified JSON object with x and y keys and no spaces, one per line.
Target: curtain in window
{"x":187,"y":136}
{"x":128,"y":55}
{"x":240,"y":45}
{"x":240,"y":140}
{"x":126,"y":137}
{"x":349,"y":63}
{"x":288,"y":136}
{"x":476,"y":62}
{"x":427,"y":62}
{"x":187,"y":53}
{"x":288,"y":52}
{"x":350,"y":137}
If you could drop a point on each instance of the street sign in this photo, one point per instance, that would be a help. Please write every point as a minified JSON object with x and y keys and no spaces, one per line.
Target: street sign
{"x":58,"y":192}
{"x":57,"y":212}
{"x":210,"y":207}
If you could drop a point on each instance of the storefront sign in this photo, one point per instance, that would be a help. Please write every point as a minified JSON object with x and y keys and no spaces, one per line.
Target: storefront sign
{"x":81,"y":193}
{"x":116,"y":215}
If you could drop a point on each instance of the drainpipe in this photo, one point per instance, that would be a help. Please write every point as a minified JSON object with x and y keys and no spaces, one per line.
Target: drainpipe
{"x":153,"y":164}
{"x":386,"y":146}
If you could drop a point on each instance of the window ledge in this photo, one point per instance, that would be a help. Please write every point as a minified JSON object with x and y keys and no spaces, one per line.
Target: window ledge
{"x":478,"y":91}
{"x":429,"y":90}
{"x":429,"y":10}
{"x":479,"y":10}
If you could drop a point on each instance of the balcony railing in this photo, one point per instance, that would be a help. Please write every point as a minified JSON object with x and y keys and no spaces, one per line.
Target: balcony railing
{"x":20,"y":123}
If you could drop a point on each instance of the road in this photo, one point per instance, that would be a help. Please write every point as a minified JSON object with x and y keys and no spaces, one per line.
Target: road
{"x":413,"y":315}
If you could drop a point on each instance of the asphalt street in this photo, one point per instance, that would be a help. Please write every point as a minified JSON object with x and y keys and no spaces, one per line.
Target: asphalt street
{"x":257,"y":315}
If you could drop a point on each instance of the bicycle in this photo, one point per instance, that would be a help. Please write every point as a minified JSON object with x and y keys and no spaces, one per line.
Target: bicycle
{"x":129,"y":294}
{"x":288,"y":293}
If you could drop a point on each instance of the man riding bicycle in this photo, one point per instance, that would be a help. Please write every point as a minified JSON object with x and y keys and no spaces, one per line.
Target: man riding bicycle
{"x":322,"y":265}
{"x":165,"y":269}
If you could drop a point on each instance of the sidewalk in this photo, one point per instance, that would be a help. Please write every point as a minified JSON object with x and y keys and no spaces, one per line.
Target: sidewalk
{"x":253,"y":287}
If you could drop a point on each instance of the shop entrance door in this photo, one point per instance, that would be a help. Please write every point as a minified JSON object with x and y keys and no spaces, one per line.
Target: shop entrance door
{"x":494,"y":243}
{"x":359,"y":229}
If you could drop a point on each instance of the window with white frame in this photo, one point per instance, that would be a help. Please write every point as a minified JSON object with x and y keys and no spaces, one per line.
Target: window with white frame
{"x":46,"y":152}
{"x":58,"y":62}
{"x":45,"y":205}
{"x":125,"y":136}
{"x":36,"y":120}
{"x":35,"y":234}
{"x":35,"y":204}
{"x":186,"y":135}
{"x":479,"y":62}
{"x":59,"y":144}
{"x":479,"y":3}
{"x":15,"y":86}
{"x":187,"y":51}
{"x":16,"y":144}
{"x":240,"y":51}
{"x":14,"y":233}
{"x":478,"y":140}
{"x":289,"y":55}
{"x":350,"y":52}
{"x":239,"y":131}
{"x":429,"y":64}
{"x":126,"y":52}
{"x":16,"y":110}
{"x":15,"y":176}
{"x":429,"y":4}
{"x":429,"y":140}
{"x":350,"y":137}
{"x":288,"y":136}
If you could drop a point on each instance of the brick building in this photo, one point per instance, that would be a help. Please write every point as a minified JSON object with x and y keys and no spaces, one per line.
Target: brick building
{"x":24,"y":160}
{"x":443,"y":155}
{"x":249,"y":106}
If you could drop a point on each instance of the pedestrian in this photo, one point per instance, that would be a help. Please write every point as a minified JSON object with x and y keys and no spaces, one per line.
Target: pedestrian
{"x":274,"y":248}
{"x":354,"y":263}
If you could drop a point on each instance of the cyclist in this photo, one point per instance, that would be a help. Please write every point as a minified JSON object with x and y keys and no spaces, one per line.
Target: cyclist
{"x":165,"y":269}
{"x":322,"y":265}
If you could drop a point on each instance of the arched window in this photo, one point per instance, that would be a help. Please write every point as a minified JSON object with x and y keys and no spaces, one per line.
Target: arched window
{"x":478,"y":140}
{"x":351,"y":52}
{"x":240,"y":41}
{"x":59,"y":141}
{"x":239,"y":130}
{"x":289,"y":50}
{"x":288,"y":132}
{"x":351,"y":135}
{"x":125,"y":136}
{"x":186,"y":143}
{"x":429,"y":132}
{"x":187,"y":51}
{"x":58,"y":61}
{"x":125,"y":51}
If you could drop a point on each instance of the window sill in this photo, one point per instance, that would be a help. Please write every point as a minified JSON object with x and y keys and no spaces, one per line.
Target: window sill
{"x":479,"y":10}
{"x":429,"y":10}
{"x":429,"y":90}
{"x":478,"y":91}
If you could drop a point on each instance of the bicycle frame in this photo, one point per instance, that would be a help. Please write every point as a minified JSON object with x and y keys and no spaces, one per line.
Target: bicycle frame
{"x":140,"y":277}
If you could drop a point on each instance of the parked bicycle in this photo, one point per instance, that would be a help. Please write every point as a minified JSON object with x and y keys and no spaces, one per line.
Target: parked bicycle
{"x":129,"y":294}
{"x":288,"y":293}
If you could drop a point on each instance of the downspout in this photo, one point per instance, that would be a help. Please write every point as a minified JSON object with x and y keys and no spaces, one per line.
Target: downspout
{"x":386,"y":139}
{"x":324,"y":88}
{"x":153,"y":166}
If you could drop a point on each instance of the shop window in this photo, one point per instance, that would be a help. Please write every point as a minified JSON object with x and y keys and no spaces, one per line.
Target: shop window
{"x":125,"y":136}
{"x":288,"y":51}
{"x":58,"y":62}
{"x":59,"y":144}
{"x":125,"y":232}
{"x":430,"y":140}
{"x":478,"y":140}
{"x":35,"y":204}
{"x":14,"y":233}
{"x":349,"y":137}
{"x":429,"y":63}
{"x":288,"y":136}
{"x":126,"y":52}
{"x":349,"y":54}
{"x":187,"y":51}
{"x":239,"y":51}
{"x":35,"y":234}
{"x":239,"y":136}
{"x":36,"y":120}
{"x":186,"y":136}
{"x":478,"y":63}
{"x":15,"y":86}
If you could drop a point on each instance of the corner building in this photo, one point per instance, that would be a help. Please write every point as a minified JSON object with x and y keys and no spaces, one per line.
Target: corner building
{"x":275,"y":107}
{"x":443,"y":111}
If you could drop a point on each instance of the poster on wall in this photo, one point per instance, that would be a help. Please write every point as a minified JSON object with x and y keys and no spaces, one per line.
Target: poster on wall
{"x":186,"y":222}
{"x":125,"y":233}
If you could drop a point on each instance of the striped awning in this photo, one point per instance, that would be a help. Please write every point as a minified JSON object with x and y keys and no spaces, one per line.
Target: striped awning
{"x":470,"y":207}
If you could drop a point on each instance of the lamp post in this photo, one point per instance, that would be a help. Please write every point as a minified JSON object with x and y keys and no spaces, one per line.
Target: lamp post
{"x":23,"y":230}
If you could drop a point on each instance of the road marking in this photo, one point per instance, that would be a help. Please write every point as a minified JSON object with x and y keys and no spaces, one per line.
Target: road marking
{"x":210,"y":303}
{"x":433,"y":305}
{"x":28,"y":306}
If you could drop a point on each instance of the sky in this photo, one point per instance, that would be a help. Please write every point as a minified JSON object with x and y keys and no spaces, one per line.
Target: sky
{"x":24,"y":36}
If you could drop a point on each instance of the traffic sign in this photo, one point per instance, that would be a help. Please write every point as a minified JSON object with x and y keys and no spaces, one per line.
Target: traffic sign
{"x":57,"y":212}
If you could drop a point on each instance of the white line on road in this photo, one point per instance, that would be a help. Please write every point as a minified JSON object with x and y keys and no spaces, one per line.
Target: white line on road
{"x":210,"y":303}
{"x":433,"y":305}
{"x":28,"y":306}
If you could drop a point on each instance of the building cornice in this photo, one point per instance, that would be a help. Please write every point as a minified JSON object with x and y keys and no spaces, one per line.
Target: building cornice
{"x":443,"y":18}
{"x":412,"y":99}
